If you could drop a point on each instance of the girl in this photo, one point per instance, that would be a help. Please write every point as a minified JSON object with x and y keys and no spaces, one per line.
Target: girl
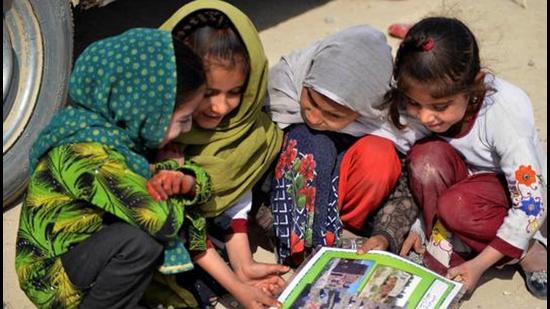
{"x":481,"y":183}
{"x":232,"y":138}
{"x":339,"y":161}
{"x":89,"y":234}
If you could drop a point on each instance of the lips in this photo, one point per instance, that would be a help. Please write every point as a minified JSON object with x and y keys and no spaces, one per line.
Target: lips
{"x":212,"y":116}
{"x":435,"y":127}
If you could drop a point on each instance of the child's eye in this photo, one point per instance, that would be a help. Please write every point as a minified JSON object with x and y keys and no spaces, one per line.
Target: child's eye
{"x":237,"y":91}
{"x":333,"y":115}
{"x":209,"y":92}
{"x":440,"y":107}
{"x":412,"y":103}
{"x":313,"y":103}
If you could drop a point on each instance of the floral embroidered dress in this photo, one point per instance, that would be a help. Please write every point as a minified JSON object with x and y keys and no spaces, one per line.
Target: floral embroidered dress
{"x":504,"y":140}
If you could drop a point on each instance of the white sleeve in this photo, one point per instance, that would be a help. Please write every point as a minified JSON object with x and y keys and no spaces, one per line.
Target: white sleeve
{"x":511,"y":132}
{"x":418,"y":228}
{"x":241,"y":208}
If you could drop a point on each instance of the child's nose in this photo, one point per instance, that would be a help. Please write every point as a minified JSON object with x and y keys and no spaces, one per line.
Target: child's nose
{"x":314,"y":117}
{"x":219,"y":105}
{"x":425,"y":116}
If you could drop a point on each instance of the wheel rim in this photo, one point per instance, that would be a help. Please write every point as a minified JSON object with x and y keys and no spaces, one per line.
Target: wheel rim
{"x":7,"y":62}
{"x":23,"y":56}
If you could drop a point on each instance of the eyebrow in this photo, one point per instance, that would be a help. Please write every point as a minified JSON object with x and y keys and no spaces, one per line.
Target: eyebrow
{"x":331,"y":111}
{"x":242,"y":87}
{"x":436,"y":103}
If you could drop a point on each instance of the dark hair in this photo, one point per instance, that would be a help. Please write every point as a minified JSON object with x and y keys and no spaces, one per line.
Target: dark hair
{"x":440,"y":53}
{"x":211,"y":35}
{"x":189,"y":70}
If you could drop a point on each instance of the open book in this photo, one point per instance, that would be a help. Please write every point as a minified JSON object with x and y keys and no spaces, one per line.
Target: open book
{"x":341,"y":278}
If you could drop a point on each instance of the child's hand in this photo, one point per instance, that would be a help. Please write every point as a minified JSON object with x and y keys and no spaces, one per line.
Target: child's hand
{"x":264,"y":276}
{"x":468,"y":273}
{"x":413,"y":241}
{"x":171,"y":151}
{"x":167,"y":183}
{"x":254,"y":297}
{"x":377,"y":242}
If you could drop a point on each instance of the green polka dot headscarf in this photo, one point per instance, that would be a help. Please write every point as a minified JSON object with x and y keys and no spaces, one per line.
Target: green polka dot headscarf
{"x":123,"y":90}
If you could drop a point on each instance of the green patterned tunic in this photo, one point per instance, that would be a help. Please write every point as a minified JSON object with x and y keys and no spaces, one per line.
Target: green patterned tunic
{"x":69,"y":192}
{"x":90,"y":161}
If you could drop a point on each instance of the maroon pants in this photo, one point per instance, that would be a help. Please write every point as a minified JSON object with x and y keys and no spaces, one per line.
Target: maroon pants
{"x":470,"y":207}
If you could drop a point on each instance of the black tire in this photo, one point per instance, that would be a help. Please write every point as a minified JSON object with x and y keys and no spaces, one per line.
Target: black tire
{"x":40,"y":34}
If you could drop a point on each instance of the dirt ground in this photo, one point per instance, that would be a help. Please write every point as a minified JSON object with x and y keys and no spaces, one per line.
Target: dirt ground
{"x":513,"y":41}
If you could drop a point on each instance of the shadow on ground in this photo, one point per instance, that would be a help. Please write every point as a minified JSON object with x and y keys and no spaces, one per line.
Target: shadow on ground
{"x":97,"y":23}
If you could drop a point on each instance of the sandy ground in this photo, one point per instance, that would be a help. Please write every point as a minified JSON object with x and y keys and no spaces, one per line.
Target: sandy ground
{"x":513,"y":42}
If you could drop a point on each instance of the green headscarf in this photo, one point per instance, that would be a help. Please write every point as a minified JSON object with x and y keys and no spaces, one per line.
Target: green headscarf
{"x":124,"y":92}
{"x":240,"y":150}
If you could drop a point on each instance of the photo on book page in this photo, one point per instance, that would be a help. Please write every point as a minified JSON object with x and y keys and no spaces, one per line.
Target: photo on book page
{"x":391,"y":286}
{"x":340,"y":278}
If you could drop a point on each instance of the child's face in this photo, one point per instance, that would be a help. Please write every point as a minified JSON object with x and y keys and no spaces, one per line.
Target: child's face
{"x":181,"y":120}
{"x":225,"y":86}
{"x":437,"y":114}
{"x":323,"y":114}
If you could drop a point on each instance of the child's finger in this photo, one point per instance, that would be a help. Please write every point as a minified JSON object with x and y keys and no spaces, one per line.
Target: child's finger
{"x":407,"y":245}
{"x":166,"y":185}
{"x":154,"y":194}
{"x":267,"y":300}
{"x":176,"y":184}
{"x":454,"y":272}
{"x":153,"y":189}
{"x":363,"y":249}
{"x":278,"y":281}
{"x":418,"y":247}
{"x":274,"y":290}
{"x":282,"y":269}
{"x":187,"y":184}
{"x":157,"y":185}
{"x":271,"y":269}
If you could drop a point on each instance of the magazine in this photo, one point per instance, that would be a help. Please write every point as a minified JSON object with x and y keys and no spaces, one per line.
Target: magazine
{"x":341,"y":278}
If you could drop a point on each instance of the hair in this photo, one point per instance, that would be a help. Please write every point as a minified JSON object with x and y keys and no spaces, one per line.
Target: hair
{"x":189,"y":70}
{"x":212,"y":36}
{"x":442,"y":54}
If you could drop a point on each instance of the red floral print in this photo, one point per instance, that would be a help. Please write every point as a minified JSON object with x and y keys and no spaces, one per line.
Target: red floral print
{"x":307,"y":167}
{"x":309,"y":193}
{"x":286,"y":158}
{"x":329,"y":237}
{"x":296,"y":243}
{"x":525,"y":175}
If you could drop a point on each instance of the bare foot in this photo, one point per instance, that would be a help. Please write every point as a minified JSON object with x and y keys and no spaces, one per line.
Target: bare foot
{"x":399,"y":30}
{"x":535,"y":259}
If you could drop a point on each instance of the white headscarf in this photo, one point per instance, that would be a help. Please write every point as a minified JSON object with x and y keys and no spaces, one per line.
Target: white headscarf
{"x":352,"y":67}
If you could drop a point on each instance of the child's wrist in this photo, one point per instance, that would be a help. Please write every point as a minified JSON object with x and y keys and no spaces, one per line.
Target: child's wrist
{"x":382,"y":241}
{"x":242,"y":266}
{"x":487,"y":258}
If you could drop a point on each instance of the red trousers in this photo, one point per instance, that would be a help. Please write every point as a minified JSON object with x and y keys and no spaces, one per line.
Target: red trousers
{"x":369,"y":170}
{"x":471,"y":207}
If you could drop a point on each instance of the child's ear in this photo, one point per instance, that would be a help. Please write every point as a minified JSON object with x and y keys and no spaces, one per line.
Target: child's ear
{"x":480,"y":76}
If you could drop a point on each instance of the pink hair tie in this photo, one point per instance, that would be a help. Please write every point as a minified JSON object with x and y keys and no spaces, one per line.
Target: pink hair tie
{"x":428,"y":45}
